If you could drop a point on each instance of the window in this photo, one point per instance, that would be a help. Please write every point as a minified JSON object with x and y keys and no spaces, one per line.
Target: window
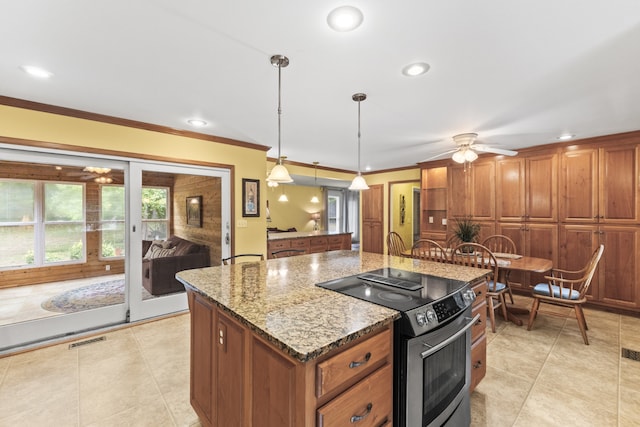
{"x":334,"y":210}
{"x":155,"y":217}
{"x":44,"y":221}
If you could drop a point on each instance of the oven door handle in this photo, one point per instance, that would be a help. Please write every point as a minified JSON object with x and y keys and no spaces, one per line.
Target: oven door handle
{"x":433,"y":349}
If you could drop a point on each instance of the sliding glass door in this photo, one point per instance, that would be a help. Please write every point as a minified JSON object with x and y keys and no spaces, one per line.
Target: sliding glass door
{"x":77,"y":232}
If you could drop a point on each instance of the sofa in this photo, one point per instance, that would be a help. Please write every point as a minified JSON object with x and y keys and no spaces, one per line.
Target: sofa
{"x":162,"y":259}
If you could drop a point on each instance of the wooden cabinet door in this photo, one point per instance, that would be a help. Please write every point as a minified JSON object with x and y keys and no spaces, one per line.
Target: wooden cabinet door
{"x":618,"y":201}
{"x":372,"y":239}
{"x":482,"y":201}
{"x":515,"y":231}
{"x":579,"y":186}
{"x":618,"y":269}
{"x":510,"y":189}
{"x":202,"y":351}
{"x":541,"y":242}
{"x":541,"y":193}
{"x":577,"y":243}
{"x":457,"y":206}
{"x":372,"y":204}
{"x":229,"y":365}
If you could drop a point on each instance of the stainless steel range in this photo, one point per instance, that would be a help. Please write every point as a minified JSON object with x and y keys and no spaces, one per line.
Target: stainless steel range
{"x":432,"y":342}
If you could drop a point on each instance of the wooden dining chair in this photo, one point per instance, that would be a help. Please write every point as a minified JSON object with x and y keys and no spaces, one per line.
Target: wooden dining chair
{"x":395,"y":244}
{"x":225,"y":261}
{"x":479,"y":256}
{"x":501,"y":244}
{"x":429,"y":250}
{"x":282,"y":253}
{"x":568,"y":289}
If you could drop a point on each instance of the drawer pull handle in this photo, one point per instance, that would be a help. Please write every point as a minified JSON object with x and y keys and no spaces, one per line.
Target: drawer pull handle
{"x":356,"y":364}
{"x":479,"y":322}
{"x":477,"y":364}
{"x":356,"y":418}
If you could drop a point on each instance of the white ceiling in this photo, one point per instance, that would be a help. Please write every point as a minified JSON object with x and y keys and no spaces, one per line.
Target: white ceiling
{"x":519,"y":73}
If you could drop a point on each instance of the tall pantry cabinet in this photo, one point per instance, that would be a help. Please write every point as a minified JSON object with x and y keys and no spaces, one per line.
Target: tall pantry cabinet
{"x":559,"y":202}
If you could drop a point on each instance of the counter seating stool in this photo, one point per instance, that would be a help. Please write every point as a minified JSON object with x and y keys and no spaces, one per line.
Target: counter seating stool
{"x":225,"y":261}
{"x":479,"y":256}
{"x":429,"y":250}
{"x":499,"y":243}
{"x":567,"y":291}
{"x":282,"y":253}
{"x":395,"y":244}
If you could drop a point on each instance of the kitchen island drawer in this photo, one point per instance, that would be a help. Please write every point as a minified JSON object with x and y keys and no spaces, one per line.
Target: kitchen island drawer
{"x":300,"y":244}
{"x":480,"y":326}
{"x":356,"y":361}
{"x":480,"y":289}
{"x":478,"y":362}
{"x":368,"y":403}
{"x":275,"y":245}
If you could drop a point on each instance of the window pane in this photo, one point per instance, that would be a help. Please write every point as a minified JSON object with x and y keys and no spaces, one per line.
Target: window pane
{"x":112,"y":239}
{"x":63,"y":202}
{"x":20,"y":251}
{"x":154,"y":203}
{"x":112,"y":206}
{"x":16,"y":201}
{"x":154,"y":230}
{"x":63,"y":242}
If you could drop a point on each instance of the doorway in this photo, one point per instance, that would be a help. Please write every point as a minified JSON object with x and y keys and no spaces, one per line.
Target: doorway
{"x":404,"y":210}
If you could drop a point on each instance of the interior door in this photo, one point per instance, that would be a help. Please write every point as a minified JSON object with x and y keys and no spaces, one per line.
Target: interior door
{"x":173,"y":202}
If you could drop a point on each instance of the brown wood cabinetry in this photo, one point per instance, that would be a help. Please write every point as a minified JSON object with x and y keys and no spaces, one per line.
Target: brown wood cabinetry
{"x":478,"y":336}
{"x":309,"y":244}
{"x":372,"y":237}
{"x":527,"y":188}
{"x":561,"y":203}
{"x":240,"y":379}
{"x":434,"y":204}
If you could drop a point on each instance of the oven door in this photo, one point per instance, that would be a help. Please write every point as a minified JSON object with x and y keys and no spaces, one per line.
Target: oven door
{"x":438,"y":375}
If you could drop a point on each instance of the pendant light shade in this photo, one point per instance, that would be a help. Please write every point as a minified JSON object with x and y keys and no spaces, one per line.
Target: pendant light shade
{"x":279,"y":173}
{"x":283,"y":197}
{"x":358,"y":182}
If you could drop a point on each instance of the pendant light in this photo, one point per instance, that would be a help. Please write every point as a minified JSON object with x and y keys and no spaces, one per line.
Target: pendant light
{"x":315,"y":199}
{"x":358,"y":182}
{"x":283,"y":197}
{"x":279,"y":173}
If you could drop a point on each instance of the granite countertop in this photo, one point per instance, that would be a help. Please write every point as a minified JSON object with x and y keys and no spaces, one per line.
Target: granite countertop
{"x":299,"y":234}
{"x":278,"y":298}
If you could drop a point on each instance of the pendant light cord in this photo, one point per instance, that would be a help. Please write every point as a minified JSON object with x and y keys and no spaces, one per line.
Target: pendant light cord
{"x":279,"y":110}
{"x":359,"y":138}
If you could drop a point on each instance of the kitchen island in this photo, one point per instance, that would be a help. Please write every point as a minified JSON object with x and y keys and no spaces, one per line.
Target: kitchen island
{"x":269,"y":348}
{"x":307,"y":242}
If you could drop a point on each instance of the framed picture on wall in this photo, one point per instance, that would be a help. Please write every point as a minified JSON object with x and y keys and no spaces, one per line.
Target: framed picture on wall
{"x":194,"y":211}
{"x":250,"y":197}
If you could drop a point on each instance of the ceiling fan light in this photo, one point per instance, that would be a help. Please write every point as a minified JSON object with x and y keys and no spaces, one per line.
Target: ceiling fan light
{"x":279,"y":174}
{"x":470,"y":155}
{"x":358,"y":183}
{"x":458,"y":157}
{"x":465,"y":138}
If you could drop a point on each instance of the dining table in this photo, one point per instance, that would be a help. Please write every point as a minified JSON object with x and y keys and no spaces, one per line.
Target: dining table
{"x":512,"y":262}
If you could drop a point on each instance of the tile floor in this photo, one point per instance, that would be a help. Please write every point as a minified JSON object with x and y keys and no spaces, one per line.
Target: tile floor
{"x":139,"y":376}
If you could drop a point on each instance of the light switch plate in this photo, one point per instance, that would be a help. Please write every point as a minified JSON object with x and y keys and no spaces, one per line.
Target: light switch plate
{"x":430,"y":220}
{"x":444,"y":221}
{"x":242,"y":223}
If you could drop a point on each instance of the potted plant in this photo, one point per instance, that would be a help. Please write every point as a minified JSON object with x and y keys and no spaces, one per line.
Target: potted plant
{"x":466,"y":230}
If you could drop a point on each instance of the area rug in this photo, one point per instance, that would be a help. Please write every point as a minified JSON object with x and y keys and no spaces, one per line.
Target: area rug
{"x":88,"y":297}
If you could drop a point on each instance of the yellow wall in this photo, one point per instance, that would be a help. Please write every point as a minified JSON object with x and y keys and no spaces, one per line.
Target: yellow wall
{"x":404,"y":229}
{"x":297,"y":211}
{"x":249,"y":163}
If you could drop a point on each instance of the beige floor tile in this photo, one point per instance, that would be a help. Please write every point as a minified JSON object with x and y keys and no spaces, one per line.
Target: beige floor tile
{"x":60,"y":416}
{"x":630,"y":374}
{"x":498,"y":398}
{"x":517,"y":356}
{"x":555,"y":408}
{"x":151,"y":414}
{"x":630,"y":404}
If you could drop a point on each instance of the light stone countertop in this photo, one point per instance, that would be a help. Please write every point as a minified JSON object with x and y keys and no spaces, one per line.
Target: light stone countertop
{"x":278,"y":298}
{"x":300,"y":234}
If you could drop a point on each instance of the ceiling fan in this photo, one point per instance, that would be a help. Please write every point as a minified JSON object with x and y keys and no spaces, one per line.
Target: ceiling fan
{"x":466,"y":150}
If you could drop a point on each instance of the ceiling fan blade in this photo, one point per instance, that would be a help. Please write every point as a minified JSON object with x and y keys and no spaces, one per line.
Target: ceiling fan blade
{"x":437,"y":156}
{"x":487,"y":149}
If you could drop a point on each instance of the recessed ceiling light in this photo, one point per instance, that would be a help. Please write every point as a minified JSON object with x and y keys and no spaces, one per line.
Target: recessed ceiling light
{"x":367,"y":168}
{"x":415,"y":69}
{"x":565,"y":137}
{"x":38,"y":72}
{"x":197,"y":123}
{"x":345,"y":18}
